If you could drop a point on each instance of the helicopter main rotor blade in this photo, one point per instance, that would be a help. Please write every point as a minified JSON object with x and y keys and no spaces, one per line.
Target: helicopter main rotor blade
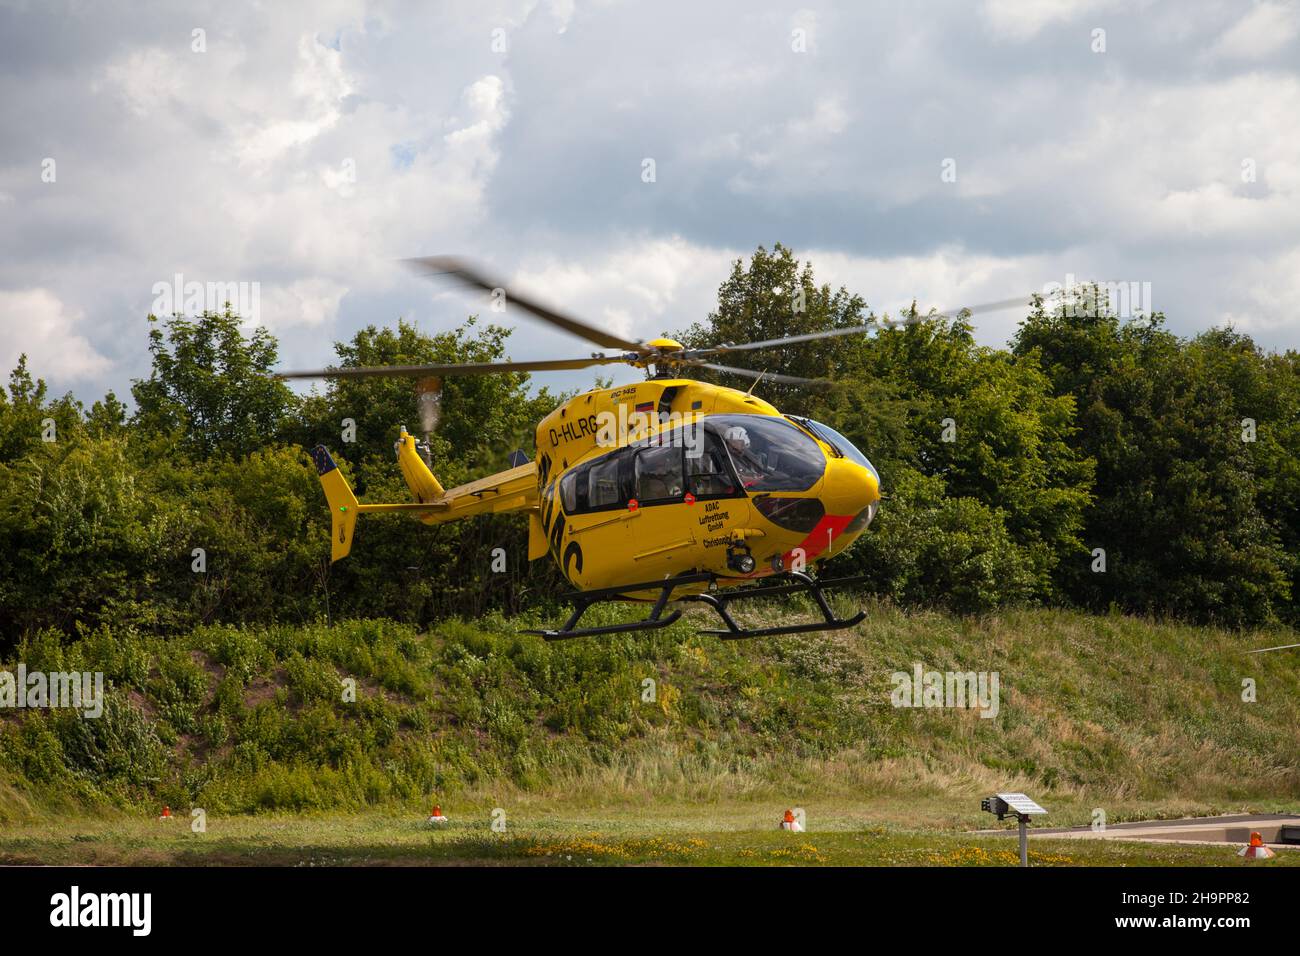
{"x":470,"y":276}
{"x":468,"y":368}
{"x":765,"y":376}
{"x":1280,"y":647}
{"x":861,"y":329}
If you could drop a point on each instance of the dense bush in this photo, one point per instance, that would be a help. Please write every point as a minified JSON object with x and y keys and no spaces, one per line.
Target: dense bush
{"x":932,"y":549}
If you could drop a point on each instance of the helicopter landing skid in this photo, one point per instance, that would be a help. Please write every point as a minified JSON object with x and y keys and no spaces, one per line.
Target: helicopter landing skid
{"x":803,"y":584}
{"x":585,"y":599}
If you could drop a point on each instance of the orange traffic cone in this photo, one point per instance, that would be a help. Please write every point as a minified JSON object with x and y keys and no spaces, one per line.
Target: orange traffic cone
{"x":790,"y":822}
{"x":167,"y":814}
{"x":436,"y":816}
{"x":1255,"y":849}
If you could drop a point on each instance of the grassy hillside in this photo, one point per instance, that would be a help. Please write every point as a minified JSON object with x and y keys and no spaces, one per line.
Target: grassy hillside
{"x":1129,"y":715}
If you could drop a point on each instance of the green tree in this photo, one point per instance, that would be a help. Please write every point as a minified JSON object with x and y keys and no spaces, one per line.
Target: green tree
{"x":772,"y":297}
{"x":211,"y":386}
{"x":1177,"y":510}
{"x":983,"y":423}
{"x":26,"y":411}
{"x":484,"y":417}
{"x":930,"y":548}
{"x":107,"y":417}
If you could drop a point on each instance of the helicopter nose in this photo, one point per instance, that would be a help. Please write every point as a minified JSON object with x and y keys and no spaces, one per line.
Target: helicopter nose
{"x":849,"y":496}
{"x":857,"y":490}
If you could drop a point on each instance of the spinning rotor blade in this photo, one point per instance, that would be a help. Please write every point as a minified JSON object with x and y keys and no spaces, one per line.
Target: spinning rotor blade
{"x":765,"y":376}
{"x":469,"y":368}
{"x":861,"y":329}
{"x":470,"y":276}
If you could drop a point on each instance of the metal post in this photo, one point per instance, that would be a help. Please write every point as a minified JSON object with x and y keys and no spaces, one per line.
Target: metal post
{"x":1024,"y":839}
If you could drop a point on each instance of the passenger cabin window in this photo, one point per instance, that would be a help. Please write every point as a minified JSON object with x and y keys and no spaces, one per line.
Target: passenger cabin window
{"x":599,"y":485}
{"x":569,"y":492}
{"x":659,"y":473}
{"x":603,"y":486}
{"x":663,"y":474}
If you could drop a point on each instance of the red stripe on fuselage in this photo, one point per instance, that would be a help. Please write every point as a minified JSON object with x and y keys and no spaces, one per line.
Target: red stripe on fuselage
{"x":820,"y":538}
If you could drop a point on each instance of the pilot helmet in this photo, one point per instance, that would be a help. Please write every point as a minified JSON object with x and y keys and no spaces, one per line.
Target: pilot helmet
{"x":737,"y":437}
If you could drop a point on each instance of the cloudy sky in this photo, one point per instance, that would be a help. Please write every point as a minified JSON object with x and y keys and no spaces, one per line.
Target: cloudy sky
{"x":952,"y":152}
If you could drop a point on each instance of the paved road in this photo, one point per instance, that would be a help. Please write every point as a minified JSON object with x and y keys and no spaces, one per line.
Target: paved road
{"x":1230,"y":829}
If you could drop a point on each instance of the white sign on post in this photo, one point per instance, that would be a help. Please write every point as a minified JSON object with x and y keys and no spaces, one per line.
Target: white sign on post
{"x":1020,"y":803}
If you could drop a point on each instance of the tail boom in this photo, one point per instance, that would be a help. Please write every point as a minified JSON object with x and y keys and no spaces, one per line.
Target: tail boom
{"x":511,"y":490}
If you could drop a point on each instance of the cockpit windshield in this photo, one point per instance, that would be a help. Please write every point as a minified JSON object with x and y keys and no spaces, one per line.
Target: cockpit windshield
{"x":846,"y":447}
{"x":768,"y":453}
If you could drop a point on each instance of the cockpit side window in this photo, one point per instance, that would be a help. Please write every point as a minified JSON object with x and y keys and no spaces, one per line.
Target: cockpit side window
{"x":769,"y":453}
{"x":708,"y":471}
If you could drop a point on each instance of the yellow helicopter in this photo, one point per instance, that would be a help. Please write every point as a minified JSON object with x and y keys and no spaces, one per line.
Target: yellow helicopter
{"x":668,"y":490}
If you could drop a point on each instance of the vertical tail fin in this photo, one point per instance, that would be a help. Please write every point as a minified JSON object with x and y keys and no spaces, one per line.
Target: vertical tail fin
{"x":342,"y":502}
{"x":538,"y":543}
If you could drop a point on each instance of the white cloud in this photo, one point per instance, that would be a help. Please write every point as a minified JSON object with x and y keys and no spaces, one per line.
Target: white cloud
{"x":1266,"y":29}
{"x":1263,"y":296}
{"x":37,"y":324}
{"x":312,"y":302}
{"x":1023,"y":19}
{"x":147,"y":80}
{"x":485,"y":99}
{"x":829,"y":118}
{"x":562,"y":12}
{"x":319,"y":86}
